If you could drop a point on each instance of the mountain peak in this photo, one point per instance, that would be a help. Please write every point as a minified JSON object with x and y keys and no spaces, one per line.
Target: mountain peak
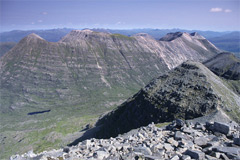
{"x":189,"y":91}
{"x":79,"y":35}
{"x":34,"y":36}
{"x":173,"y":36}
{"x":142,"y":35}
{"x":196,"y":35}
{"x":82,"y":31}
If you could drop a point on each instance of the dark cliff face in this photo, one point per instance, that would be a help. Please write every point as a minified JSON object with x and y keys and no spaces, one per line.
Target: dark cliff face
{"x":188,"y":91}
{"x":226,"y":65}
{"x":41,"y":74}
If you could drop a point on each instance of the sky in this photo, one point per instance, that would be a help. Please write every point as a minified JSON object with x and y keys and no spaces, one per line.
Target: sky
{"x":215,"y":15}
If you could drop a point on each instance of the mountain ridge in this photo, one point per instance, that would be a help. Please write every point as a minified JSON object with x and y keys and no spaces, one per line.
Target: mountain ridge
{"x":169,"y":97}
{"x":226,"y":65}
{"x":83,"y":50}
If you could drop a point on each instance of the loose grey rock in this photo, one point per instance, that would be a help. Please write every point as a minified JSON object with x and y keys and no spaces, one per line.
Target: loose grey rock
{"x":201,"y":141}
{"x":188,"y":130}
{"x":168,"y":147}
{"x":175,"y":157}
{"x":236,"y":141}
{"x":195,"y":154}
{"x":222,"y":128}
{"x":210,"y":157}
{"x":180,"y":135}
{"x":228,"y":150}
{"x":144,"y":150}
{"x":185,"y":157}
{"x":179,"y":123}
{"x":101,"y":154}
{"x":172,"y":142}
{"x":223,"y":156}
{"x":150,"y":143}
{"x":147,"y":157}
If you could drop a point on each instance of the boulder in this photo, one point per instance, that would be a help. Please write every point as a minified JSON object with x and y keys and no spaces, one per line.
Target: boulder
{"x":100,"y":154}
{"x":179,"y":123}
{"x":179,"y":135}
{"x":147,"y":157}
{"x":222,"y":128}
{"x":175,"y":157}
{"x":172,"y":142}
{"x":195,"y":154}
{"x":185,"y":157}
{"x":168,"y":147}
{"x":143,"y":150}
{"x":229,"y":151}
{"x":236,"y":141}
{"x":201,"y":141}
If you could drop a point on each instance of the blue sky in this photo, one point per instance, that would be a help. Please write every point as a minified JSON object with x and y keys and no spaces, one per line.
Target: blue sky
{"x":217,"y":15}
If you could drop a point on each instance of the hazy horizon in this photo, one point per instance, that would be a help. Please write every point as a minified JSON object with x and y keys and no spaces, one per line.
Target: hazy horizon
{"x":204,"y":15}
{"x":39,"y":29}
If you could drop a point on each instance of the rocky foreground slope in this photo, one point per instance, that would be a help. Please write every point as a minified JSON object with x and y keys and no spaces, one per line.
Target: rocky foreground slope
{"x":179,"y":140}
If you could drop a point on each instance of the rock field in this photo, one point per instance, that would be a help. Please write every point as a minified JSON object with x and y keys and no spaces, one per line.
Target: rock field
{"x":180,"y":140}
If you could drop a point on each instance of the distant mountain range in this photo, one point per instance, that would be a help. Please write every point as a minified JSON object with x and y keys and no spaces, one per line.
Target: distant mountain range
{"x":50,"y":90}
{"x":228,"y":41}
{"x":52,"y":35}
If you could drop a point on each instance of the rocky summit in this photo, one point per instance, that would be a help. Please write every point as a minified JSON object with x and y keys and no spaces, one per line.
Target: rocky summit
{"x":180,"y":140}
{"x":189,"y":91}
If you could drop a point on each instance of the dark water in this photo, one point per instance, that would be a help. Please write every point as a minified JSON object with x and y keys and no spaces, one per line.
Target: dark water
{"x":39,"y":112}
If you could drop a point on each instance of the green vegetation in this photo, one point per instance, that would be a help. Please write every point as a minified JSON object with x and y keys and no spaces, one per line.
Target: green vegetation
{"x":55,"y":129}
{"x":159,"y":125}
{"x":120,"y":36}
{"x":233,"y":85}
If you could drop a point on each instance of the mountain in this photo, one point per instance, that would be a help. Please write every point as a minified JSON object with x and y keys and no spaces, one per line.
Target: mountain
{"x":5,"y":47}
{"x":228,"y":42}
{"x":50,"y":90}
{"x":189,"y":91}
{"x":226,"y":65}
{"x":158,"y":33}
{"x":40,"y":73}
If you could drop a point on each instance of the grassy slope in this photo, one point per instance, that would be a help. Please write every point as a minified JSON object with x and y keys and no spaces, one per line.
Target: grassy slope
{"x":231,"y":101}
{"x":50,"y":130}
